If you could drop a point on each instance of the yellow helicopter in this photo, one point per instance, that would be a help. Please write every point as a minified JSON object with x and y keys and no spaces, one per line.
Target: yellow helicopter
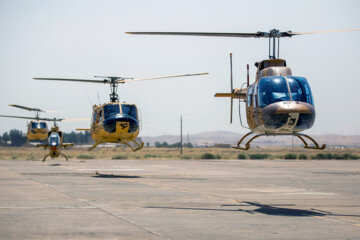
{"x":55,"y":141}
{"x":37,"y":130}
{"x":115,"y":122}
{"x":277,"y":103}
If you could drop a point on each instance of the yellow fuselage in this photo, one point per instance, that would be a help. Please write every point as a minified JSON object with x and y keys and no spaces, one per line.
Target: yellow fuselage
{"x":36,"y":133}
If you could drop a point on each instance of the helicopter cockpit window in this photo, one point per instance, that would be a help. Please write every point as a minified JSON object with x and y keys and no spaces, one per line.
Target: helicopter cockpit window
{"x":300,"y":90}
{"x":43,"y":125}
{"x":129,"y":110}
{"x":54,"y":139}
{"x":35,"y":125}
{"x":249,"y":96}
{"x":271,"y":90}
{"x":93,"y":117}
{"x":111,"y":110}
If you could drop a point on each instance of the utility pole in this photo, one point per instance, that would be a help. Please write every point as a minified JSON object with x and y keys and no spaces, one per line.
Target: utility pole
{"x":181,"y":137}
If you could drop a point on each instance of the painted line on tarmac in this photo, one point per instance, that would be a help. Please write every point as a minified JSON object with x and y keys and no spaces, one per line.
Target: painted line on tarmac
{"x":51,"y":207}
{"x":210,"y":196}
{"x":309,"y":193}
{"x":160,"y":186}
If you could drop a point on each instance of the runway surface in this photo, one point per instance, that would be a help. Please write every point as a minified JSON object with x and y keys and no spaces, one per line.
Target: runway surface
{"x":179,"y":199}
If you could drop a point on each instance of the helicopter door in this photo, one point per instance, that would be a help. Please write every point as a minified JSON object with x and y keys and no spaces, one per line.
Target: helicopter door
{"x":256,"y":111}
{"x":94,"y":119}
{"x":250,"y":107}
{"x":101,"y":117}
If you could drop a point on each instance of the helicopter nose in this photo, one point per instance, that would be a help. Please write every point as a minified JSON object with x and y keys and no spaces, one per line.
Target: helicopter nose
{"x":110,"y":123}
{"x":291,"y":114}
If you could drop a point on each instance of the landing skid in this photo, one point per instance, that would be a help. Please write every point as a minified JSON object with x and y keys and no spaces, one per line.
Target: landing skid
{"x":134,"y":149}
{"x":139,"y":146}
{"x":93,"y":146}
{"x":59,"y":155}
{"x":299,"y":135}
{"x":45,"y":157}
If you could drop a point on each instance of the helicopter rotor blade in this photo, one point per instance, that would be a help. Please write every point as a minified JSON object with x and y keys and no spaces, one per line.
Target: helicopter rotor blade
{"x":75,"y":119}
{"x":112,"y":77}
{"x":324,"y":31}
{"x":152,"y":78}
{"x":204,"y":34}
{"x":51,"y":119}
{"x":74,"y":80}
{"x":31,"y":118}
{"x":26,"y":108}
{"x":52,"y":111}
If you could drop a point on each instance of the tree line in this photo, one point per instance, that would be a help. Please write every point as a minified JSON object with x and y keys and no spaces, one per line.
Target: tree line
{"x":16,"y":138}
{"x":175,"y":145}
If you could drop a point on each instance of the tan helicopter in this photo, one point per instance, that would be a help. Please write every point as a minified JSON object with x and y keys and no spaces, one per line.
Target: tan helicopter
{"x":115,"y":122}
{"x":277,"y":103}
{"x":37,"y":130}
{"x":55,"y":141}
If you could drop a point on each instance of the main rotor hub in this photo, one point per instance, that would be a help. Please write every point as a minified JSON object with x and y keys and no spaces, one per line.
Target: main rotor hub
{"x":113,"y":81}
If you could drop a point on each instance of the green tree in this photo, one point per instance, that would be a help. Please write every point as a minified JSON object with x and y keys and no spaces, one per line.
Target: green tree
{"x":16,"y":138}
{"x":5,"y":137}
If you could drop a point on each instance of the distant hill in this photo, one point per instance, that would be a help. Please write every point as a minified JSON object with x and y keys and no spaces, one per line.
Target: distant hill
{"x":215,"y":137}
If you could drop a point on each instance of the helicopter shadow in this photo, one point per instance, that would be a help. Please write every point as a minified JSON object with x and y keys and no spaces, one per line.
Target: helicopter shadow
{"x":275,"y":210}
{"x":267,"y":209}
{"x":102,"y":175}
{"x":54,"y":164}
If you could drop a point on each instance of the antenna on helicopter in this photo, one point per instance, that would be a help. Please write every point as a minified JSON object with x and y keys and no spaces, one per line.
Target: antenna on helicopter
{"x":98,"y":98}
{"x":231,"y":89}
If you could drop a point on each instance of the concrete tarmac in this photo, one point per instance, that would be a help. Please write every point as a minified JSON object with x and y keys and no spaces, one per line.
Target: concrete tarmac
{"x":180,"y":199}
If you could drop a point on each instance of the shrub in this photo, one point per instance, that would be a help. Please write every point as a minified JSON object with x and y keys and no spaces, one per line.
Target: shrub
{"x":241,"y":156}
{"x":149,"y":156}
{"x":290,"y":156}
{"x":335,"y":156}
{"x":120,"y":157}
{"x":85,"y":156}
{"x":353,"y":157}
{"x":210,"y":156}
{"x":302,"y":156}
{"x":31,"y":157}
{"x":321,"y":156}
{"x":259,"y":156}
{"x":185,"y":157}
{"x":345,"y":156}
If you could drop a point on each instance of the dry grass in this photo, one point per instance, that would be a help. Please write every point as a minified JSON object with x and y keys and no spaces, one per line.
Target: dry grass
{"x":33,"y":153}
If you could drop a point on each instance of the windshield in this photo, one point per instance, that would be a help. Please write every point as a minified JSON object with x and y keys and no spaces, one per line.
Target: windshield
{"x":129,"y":110}
{"x":111,"y":110}
{"x":54,"y":139}
{"x":35,"y":125}
{"x":271,"y":90}
{"x":300,"y":90}
{"x":43,"y":125}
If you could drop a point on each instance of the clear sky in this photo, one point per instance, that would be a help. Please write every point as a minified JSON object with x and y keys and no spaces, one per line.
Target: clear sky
{"x":83,"y":38}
